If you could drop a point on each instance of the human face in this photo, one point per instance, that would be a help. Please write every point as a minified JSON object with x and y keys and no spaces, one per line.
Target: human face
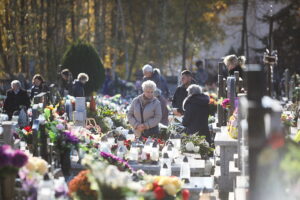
{"x":149,"y":93}
{"x":15,"y":87}
{"x":37,"y":82}
{"x":147,"y":74}
{"x":64,"y":77}
{"x":231,"y":66}
{"x":186,"y":80}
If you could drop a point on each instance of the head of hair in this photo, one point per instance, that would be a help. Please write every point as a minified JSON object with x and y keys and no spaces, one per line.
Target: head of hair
{"x":194,"y":89}
{"x":199,"y":63}
{"x":83,"y":77}
{"x":149,"y":85}
{"x":157,"y":92}
{"x":15,"y":82}
{"x":65,"y":72}
{"x":234,"y":60}
{"x":38,"y":77}
{"x":186,"y":72}
{"x":147,"y":68}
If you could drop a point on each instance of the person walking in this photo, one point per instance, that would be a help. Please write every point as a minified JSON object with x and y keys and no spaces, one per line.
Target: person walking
{"x":15,"y":98}
{"x":181,"y":92}
{"x":144,"y":112}
{"x":196,"y":112}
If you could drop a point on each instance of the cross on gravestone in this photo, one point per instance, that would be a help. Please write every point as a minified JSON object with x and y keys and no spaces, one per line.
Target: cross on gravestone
{"x":286,"y":83}
{"x":231,"y":93}
{"x":237,"y":81}
{"x":221,"y":94}
{"x":256,"y":129}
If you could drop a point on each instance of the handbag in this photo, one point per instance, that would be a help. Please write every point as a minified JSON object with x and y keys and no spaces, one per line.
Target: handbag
{"x":151,"y":131}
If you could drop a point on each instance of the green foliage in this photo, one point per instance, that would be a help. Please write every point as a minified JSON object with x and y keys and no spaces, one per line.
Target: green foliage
{"x":291,"y":162}
{"x":82,"y":57}
{"x":197,"y":140}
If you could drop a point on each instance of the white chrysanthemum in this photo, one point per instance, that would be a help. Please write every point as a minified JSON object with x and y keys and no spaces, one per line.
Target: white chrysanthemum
{"x":189,"y":146}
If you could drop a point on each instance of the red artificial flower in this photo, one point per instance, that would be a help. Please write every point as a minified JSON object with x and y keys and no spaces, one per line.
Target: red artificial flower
{"x":159,"y":193}
{"x":155,"y":185}
{"x":276,"y":141}
{"x":27,"y":128}
{"x":185,"y":194}
{"x":91,"y":137}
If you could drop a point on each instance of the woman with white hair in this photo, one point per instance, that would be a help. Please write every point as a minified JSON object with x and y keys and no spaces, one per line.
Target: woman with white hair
{"x":144,"y":112}
{"x":154,"y":75}
{"x":78,"y":85}
{"x":196,"y":111}
{"x":15,"y":98}
{"x":234,"y":63}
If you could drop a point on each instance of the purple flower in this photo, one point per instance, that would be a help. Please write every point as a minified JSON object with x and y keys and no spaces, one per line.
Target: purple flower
{"x":71,"y":138}
{"x":6,"y":154}
{"x":19,"y":159}
{"x":108,"y":157}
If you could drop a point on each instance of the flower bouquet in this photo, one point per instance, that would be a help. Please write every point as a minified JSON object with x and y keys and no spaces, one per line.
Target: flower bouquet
{"x":196,"y":144}
{"x":31,"y":175}
{"x":80,"y":187}
{"x":213,"y":103}
{"x":108,"y":181}
{"x":111,"y":159}
{"x":226,"y":103}
{"x":10,"y":162}
{"x":25,"y":134}
{"x":164,"y":187}
{"x":288,"y":120}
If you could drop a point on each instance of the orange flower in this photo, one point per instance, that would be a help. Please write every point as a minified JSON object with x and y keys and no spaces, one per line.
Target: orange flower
{"x":80,"y":184}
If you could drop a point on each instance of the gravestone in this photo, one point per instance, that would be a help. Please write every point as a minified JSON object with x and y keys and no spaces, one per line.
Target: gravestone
{"x":79,"y":115}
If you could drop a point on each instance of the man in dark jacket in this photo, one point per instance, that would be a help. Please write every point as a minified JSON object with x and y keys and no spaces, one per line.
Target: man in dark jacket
{"x":78,"y":85}
{"x":155,"y":76}
{"x":196,"y":111}
{"x":181,"y":93}
{"x":15,"y":97}
{"x":66,"y":82}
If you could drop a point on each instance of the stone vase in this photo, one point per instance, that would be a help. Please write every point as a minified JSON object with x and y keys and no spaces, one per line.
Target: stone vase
{"x":7,"y":186}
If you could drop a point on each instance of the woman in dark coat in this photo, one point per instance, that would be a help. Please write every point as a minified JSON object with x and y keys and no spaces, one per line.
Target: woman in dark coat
{"x":66,"y":86}
{"x":38,"y":86}
{"x":15,"y":97}
{"x":196,"y":111}
{"x":78,"y":85}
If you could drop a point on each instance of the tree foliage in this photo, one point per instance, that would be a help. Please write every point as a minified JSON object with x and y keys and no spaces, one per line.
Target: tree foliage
{"x":83,"y":57}
{"x":34,"y":34}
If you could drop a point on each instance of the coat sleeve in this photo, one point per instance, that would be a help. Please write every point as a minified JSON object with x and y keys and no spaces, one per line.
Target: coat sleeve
{"x":174,"y":100}
{"x":7,"y":102}
{"x":187,"y":115}
{"x":130,"y":115}
{"x":152,"y":122}
{"x":26,"y":100}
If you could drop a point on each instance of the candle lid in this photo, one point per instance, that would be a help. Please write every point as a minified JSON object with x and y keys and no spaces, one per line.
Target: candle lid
{"x":154,"y":145}
{"x":165,"y":166}
{"x":166,"y":155}
{"x":121,"y":138}
{"x":185,"y":159}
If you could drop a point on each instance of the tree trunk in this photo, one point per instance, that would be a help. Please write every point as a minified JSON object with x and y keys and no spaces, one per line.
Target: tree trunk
{"x":73,"y":25}
{"x":97,"y":25}
{"x":244,"y":37}
{"x":185,"y":34}
{"x":124,"y":39}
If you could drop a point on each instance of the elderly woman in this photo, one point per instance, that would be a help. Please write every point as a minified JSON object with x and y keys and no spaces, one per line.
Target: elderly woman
{"x":15,"y":97}
{"x":196,"y":112}
{"x":145,"y":112}
{"x":78,"y":85}
{"x":234,"y":63}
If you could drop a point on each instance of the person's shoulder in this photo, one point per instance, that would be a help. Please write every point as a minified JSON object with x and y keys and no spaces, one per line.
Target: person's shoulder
{"x":10,"y":91}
